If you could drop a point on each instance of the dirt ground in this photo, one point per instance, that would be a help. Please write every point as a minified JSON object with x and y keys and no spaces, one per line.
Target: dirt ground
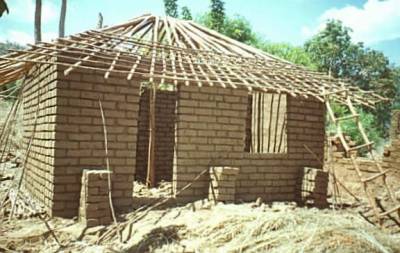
{"x":201,"y":226}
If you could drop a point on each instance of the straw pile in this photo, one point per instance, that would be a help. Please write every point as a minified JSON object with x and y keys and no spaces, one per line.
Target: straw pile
{"x":243,"y":228}
{"x":163,"y":189}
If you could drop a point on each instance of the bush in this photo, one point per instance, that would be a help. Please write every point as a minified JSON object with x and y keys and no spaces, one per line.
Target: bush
{"x":349,"y":127}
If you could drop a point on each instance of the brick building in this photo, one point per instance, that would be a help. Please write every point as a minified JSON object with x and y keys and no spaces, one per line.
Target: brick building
{"x":209,"y":101}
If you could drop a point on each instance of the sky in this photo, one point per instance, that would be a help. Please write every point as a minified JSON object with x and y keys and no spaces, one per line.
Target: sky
{"x":374,"y":22}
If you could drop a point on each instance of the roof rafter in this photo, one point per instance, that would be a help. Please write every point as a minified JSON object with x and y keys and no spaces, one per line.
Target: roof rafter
{"x":165,"y":49}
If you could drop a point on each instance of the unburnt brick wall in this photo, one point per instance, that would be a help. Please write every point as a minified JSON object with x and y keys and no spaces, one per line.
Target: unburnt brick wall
{"x":80,"y":139}
{"x":314,"y":187}
{"x":222,"y":184}
{"x":165,"y":135}
{"x":40,"y":90}
{"x":210,"y":131}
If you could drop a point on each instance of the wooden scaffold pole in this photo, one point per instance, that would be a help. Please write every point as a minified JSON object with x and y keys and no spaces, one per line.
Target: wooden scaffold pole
{"x":150,"y":180}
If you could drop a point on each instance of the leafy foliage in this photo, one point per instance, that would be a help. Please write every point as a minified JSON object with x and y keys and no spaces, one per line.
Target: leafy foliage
{"x":350,"y":128}
{"x":239,"y":28}
{"x":330,"y":49}
{"x":217,"y":15}
{"x":171,"y":8}
{"x":236,"y":27}
{"x":186,"y":14}
{"x":294,"y":54}
{"x":333,"y":51}
{"x":3,"y":7}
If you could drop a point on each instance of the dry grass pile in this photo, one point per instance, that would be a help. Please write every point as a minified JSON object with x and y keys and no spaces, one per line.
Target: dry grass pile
{"x":221,"y":228}
{"x":242,"y":228}
{"x":163,"y":189}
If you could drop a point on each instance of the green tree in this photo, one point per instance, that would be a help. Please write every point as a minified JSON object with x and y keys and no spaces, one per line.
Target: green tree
{"x":350,"y":128}
{"x":294,"y":54}
{"x":238,"y":28}
{"x":217,"y":15}
{"x":186,"y":14}
{"x":3,"y":7}
{"x":329,"y":48}
{"x":171,"y":8}
{"x":332,"y":50}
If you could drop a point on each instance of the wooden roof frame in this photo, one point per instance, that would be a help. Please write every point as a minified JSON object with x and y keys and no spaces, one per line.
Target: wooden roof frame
{"x":165,"y":49}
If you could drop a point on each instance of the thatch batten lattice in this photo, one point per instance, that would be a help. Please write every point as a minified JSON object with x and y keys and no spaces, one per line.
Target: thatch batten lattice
{"x":164,"y":49}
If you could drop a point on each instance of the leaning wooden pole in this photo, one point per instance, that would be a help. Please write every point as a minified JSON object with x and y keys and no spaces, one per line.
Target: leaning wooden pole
{"x":150,"y":180}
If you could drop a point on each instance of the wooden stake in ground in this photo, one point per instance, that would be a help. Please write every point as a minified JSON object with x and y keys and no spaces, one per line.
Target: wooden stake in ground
{"x":107,"y":163}
{"x":150,"y":180}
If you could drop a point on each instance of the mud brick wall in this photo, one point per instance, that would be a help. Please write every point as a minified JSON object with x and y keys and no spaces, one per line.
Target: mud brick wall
{"x":165,"y":135}
{"x":39,"y":97}
{"x":94,"y":207}
{"x":314,"y":187}
{"x":211,"y":131}
{"x":80,"y":138}
{"x":222,"y":184}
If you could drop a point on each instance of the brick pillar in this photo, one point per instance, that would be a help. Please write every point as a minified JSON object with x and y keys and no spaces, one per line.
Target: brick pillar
{"x":94,"y":207}
{"x":314,"y":187}
{"x":223,"y":183}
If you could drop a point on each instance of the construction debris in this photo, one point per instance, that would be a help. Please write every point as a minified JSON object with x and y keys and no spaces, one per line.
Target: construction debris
{"x":279,"y":227}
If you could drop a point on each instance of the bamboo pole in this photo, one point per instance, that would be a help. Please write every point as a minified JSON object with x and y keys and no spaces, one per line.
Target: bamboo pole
{"x":103,"y":120}
{"x":150,"y":180}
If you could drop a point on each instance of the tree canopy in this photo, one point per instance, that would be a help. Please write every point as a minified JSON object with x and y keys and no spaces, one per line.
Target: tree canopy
{"x":217,"y":15}
{"x":171,"y":8}
{"x":294,"y":54}
{"x":186,"y":14}
{"x":332,"y":50}
{"x":3,"y":7}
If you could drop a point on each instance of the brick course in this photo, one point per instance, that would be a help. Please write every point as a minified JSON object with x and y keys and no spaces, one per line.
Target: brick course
{"x":210,"y":131}
{"x":314,"y":187}
{"x":222,"y":184}
{"x":39,"y":95}
{"x":75,"y":139}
